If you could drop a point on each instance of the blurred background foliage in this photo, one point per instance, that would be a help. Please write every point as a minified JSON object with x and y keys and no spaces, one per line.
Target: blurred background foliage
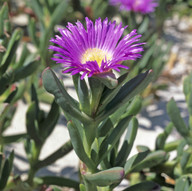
{"x":24,"y":54}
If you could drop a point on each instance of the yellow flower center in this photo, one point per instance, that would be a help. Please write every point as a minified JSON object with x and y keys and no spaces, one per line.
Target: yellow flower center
{"x":95,"y":54}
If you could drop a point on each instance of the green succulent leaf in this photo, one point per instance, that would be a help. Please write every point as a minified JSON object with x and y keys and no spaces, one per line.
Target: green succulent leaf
{"x":24,"y":53}
{"x":147,"y":56}
{"x":6,"y":170}
{"x":10,"y":159}
{"x":109,"y":94}
{"x":144,"y":186}
{"x":185,"y":159}
{"x":59,"y":181}
{"x":6,"y":116}
{"x":31,"y":124}
{"x":144,"y":25}
{"x":187,"y":85}
{"x":4,"y":15}
{"x":127,"y":110}
{"x":63,"y":99}
{"x":47,"y":126}
{"x":176,"y":118}
{"x":134,"y":107}
{"x":96,"y":89}
{"x":99,"y":8}
{"x":4,"y":175}
{"x":106,"y":177}
{"x":83,"y":95}
{"x":110,"y":141}
{"x":5,"y":80}
{"x":78,"y":146}
{"x":171,"y":146}
{"x":26,"y":70}
{"x":11,"y":96}
{"x":13,"y":138}
{"x":189,"y":104}
{"x":161,"y":139}
{"x":15,"y":75}
{"x":134,"y":161}
{"x":128,"y":142}
{"x":105,"y":127}
{"x":34,"y":99}
{"x":187,"y":89}
{"x":82,"y":187}
{"x":180,"y":148}
{"x":108,"y":79}
{"x":1,"y":159}
{"x":142,"y":148}
{"x":183,"y":183}
{"x":126,"y":93}
{"x":8,"y":26}
{"x":151,"y":160}
{"x":30,"y":148}
{"x":32,"y":31}
{"x":11,"y":49}
{"x":53,"y":85}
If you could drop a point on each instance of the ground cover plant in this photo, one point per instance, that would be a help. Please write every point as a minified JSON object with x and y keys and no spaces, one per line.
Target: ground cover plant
{"x":114,"y":52}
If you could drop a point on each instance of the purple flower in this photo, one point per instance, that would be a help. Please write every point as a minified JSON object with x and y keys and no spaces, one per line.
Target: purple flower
{"x":94,"y":50}
{"x":141,"y":6}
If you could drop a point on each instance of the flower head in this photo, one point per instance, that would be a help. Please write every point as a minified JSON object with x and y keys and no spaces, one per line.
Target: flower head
{"x":97,"y":49}
{"x":141,"y":6}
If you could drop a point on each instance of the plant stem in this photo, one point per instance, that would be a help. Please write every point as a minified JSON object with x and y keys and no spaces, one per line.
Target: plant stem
{"x":89,"y":186}
{"x":172,"y":145}
{"x":33,"y":163}
{"x":90,"y":134}
{"x":31,"y":175}
{"x":131,"y":21}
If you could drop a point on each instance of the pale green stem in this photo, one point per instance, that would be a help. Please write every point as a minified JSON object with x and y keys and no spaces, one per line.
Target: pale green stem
{"x":33,"y":170}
